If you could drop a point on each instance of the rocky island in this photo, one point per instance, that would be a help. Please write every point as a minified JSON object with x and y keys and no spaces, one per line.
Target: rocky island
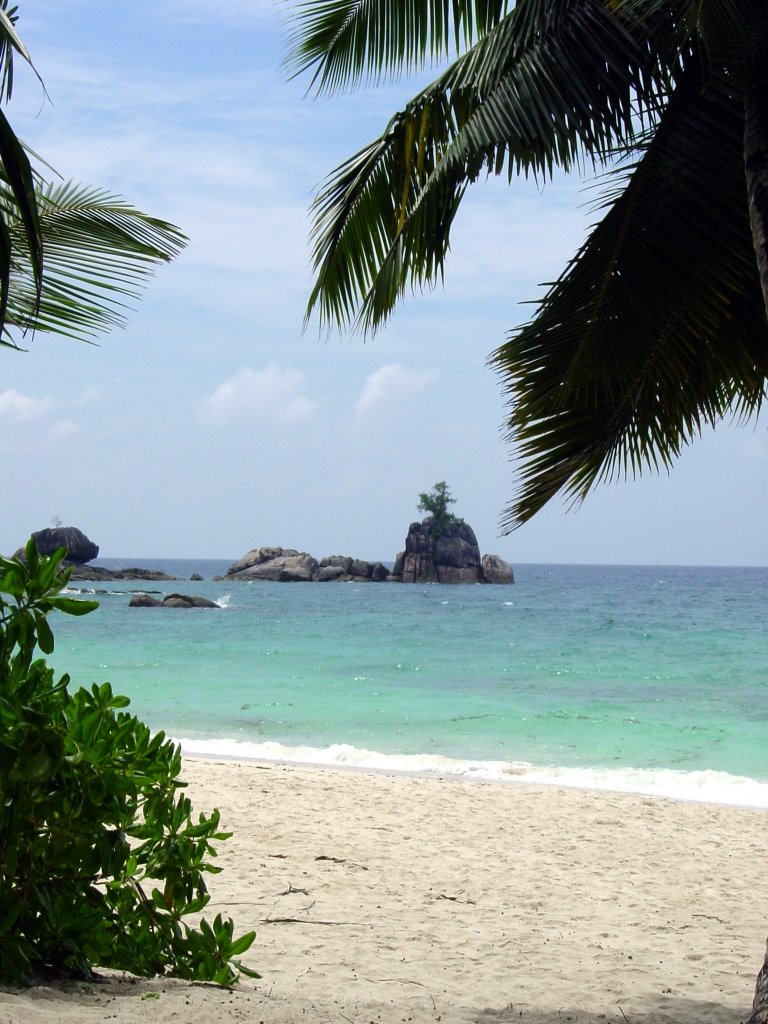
{"x":81,"y":550}
{"x":440,"y":549}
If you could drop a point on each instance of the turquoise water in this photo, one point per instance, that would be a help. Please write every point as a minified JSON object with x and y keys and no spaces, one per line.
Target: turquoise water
{"x":641,"y":678}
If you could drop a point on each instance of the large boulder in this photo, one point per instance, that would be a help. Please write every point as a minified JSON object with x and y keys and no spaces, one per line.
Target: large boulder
{"x":283,"y":565}
{"x":144,"y":601}
{"x":496,"y":570}
{"x":419,"y":568}
{"x":259,"y":556}
{"x":188,"y":601}
{"x":457,"y":552}
{"x":171,"y":601}
{"x":331,"y":573}
{"x":446,"y":554}
{"x":343,"y":562}
{"x":459,"y":574}
{"x":419,"y":555}
{"x":80,"y":549}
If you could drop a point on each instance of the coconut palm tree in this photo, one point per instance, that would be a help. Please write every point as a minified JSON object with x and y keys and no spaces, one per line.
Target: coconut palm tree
{"x":658,"y":325}
{"x":71,"y":256}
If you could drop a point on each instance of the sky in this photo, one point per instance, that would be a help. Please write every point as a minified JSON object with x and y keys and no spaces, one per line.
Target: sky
{"x":215,"y":423}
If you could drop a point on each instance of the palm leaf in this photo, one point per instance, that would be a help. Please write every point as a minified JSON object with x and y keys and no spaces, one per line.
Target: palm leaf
{"x":342,"y":42}
{"x":18,"y":210}
{"x":99,"y":252}
{"x":9,"y":41}
{"x":542,"y":88}
{"x":656,"y":327}
{"x":18,"y":201}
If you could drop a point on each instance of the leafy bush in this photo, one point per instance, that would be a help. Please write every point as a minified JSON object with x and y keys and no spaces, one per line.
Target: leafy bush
{"x":100,"y":858}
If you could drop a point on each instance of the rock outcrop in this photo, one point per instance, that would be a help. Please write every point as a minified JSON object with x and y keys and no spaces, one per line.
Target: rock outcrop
{"x":282,"y":565}
{"x":496,"y":570}
{"x":447,"y":554}
{"x":171,"y":601}
{"x":97,"y":573}
{"x":451,"y":555}
{"x":80,"y":549}
{"x":286,"y":565}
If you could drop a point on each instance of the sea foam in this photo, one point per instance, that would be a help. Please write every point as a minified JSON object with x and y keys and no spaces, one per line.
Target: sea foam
{"x":705,"y":786}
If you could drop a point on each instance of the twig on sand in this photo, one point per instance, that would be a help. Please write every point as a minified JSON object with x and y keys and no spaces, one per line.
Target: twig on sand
{"x":400,"y":981}
{"x":623,"y":1014}
{"x":304,"y":920}
{"x":292,"y":889}
{"x":454,"y":899}
{"x":342,"y":860}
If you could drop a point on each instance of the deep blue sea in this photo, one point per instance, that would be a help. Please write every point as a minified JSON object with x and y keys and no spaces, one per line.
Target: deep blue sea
{"x":640,"y":678}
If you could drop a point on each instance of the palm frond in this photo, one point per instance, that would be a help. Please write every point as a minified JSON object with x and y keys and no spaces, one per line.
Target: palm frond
{"x":656,"y":327}
{"x":21,"y":232}
{"x":17,"y":178}
{"x":99,"y":252}
{"x":531,"y":94}
{"x":10,"y":41}
{"x":342,"y":42}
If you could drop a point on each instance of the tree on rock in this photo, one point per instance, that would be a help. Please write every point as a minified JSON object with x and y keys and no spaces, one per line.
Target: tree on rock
{"x":435,"y":503}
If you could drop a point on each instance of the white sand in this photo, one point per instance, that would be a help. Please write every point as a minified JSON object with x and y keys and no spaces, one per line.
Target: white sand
{"x":379,"y":898}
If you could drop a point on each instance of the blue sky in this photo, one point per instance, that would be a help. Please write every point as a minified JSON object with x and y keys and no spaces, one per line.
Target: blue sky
{"x":213,"y":424}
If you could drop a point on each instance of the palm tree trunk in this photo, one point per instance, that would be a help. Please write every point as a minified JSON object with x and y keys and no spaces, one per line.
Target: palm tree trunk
{"x":756,"y":164}
{"x":760,"y":1004}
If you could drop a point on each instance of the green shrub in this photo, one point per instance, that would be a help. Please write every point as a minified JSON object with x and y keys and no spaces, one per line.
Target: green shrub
{"x":101,"y":860}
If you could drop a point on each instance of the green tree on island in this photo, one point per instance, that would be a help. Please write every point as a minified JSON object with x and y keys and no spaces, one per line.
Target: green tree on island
{"x":657,"y":326}
{"x":435,"y":503}
{"x":101,"y":860}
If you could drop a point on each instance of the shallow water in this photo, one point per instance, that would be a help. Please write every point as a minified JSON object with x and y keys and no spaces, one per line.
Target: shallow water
{"x":641,"y":678}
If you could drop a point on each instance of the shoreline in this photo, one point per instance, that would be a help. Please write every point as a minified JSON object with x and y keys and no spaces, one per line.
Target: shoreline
{"x":699,"y":786}
{"x":391,"y":898}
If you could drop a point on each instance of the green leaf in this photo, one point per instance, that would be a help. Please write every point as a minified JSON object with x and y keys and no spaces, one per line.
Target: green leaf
{"x":242,"y":944}
{"x":247,"y":971}
{"x":73,"y":605}
{"x":44,"y":635}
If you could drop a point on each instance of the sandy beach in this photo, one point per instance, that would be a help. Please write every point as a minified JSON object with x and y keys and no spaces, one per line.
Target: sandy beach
{"x":407,"y":899}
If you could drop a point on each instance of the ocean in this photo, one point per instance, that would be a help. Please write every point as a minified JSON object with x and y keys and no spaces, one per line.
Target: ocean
{"x":644,"y":679}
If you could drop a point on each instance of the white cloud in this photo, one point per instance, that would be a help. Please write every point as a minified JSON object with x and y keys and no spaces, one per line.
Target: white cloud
{"x":18,"y":407}
{"x":393,"y":382}
{"x":275,"y":393}
{"x":63,"y":428}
